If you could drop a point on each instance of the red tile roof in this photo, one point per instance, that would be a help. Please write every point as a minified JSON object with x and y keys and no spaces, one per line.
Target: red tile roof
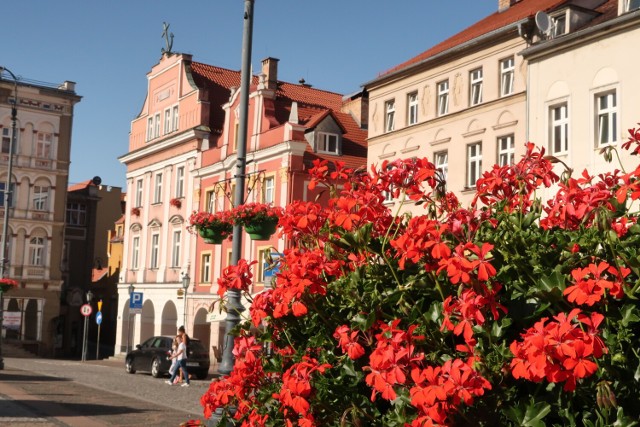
{"x":97,"y":274}
{"x":521,"y":10}
{"x":81,"y":185}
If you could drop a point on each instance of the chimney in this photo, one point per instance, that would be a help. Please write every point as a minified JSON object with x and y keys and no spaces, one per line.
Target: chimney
{"x":505,"y":4}
{"x":270,"y":71}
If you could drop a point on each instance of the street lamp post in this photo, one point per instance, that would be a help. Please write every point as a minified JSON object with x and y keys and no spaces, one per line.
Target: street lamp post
{"x":234,"y":304}
{"x":4,"y":261}
{"x":130,"y":289}
{"x":86,"y":329}
{"x":185,"y":287}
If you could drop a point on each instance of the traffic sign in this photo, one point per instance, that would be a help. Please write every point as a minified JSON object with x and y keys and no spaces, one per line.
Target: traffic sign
{"x":86,"y":310}
{"x":100,"y":305}
{"x":135,"y":303}
{"x":99,"y":317}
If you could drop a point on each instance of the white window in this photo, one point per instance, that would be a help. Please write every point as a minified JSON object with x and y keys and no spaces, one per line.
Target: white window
{"x":389,"y":115}
{"x":327,"y":142}
{"x":632,"y":4}
{"x":6,"y":140}
{"x":157,"y":190}
{"x":167,"y":121}
{"x":559,"y":25}
{"x":40,"y":198}
{"x":211,"y":201}
{"x":443,"y":98}
{"x":474,"y":163}
{"x":180,"y":181}
{"x":135,"y":253}
{"x":155,"y":250}
{"x":412,"y":108}
{"x":268,"y":187}
{"x":150,"y":129}
{"x":76,"y":214}
{"x":506,"y":150}
{"x":205,"y":268}
{"x":138,"y":193}
{"x":176,"y":118}
{"x":156,"y":126}
{"x":475,"y":81}
{"x":262,"y":260}
{"x":175,"y":251}
{"x":559,"y":129}
{"x":442,"y":164}
{"x":506,"y":76}
{"x":607,"y":118}
{"x":36,"y":251}
{"x":12,"y":192}
{"x":43,"y":145}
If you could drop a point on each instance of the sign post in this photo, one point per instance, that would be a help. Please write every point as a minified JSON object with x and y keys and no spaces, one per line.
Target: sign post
{"x":99,"y":322}
{"x":86,"y":311}
{"x":135,"y":307}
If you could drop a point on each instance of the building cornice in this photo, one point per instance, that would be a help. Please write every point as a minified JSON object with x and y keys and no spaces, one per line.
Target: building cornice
{"x":157,"y":147}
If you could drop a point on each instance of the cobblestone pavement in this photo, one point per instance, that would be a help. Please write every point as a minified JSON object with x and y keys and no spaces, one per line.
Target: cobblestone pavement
{"x":47,"y":392}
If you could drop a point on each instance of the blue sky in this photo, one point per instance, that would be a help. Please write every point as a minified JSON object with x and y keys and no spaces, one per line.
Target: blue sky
{"x":107,"y":48}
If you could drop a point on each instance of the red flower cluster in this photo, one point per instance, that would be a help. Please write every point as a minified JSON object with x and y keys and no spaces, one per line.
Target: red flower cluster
{"x":296,"y":390}
{"x":255,"y":213}
{"x":394,"y":355}
{"x":176,"y":202}
{"x":592,"y":282}
{"x":562,"y":350}
{"x":220,"y":221}
{"x":236,"y":277}
{"x":8,"y":282}
{"x":347,"y":341}
{"x":439,"y":391}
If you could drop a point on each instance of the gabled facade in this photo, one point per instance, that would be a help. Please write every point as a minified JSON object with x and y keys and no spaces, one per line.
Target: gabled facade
{"x":183,"y":151}
{"x":584,"y":87}
{"x":40,"y":175}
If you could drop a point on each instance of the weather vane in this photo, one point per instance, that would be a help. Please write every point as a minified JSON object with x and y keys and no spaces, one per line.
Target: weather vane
{"x":168,"y":37}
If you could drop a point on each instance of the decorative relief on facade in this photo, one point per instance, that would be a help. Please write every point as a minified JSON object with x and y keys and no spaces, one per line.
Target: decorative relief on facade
{"x":457,"y":88}
{"x":374,"y":117}
{"x":426,"y":98}
{"x":284,"y":175}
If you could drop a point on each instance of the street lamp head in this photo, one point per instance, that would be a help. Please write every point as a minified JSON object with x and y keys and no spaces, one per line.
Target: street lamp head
{"x":185,"y":280}
{"x":89,"y":296}
{"x":131,"y":289}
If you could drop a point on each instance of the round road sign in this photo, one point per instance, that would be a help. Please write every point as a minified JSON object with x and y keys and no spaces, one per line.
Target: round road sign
{"x":86,"y":310}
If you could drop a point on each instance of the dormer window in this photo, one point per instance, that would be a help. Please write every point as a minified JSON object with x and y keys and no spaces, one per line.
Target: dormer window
{"x":632,"y":5}
{"x":327,"y":143}
{"x":559,"y":25}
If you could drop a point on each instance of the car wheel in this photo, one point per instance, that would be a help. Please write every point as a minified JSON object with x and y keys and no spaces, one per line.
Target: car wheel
{"x":128,"y":366}
{"x":155,"y":368}
{"x":201,"y":375}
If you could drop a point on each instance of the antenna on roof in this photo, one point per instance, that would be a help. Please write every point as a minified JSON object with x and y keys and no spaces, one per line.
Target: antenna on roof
{"x":543,"y":22}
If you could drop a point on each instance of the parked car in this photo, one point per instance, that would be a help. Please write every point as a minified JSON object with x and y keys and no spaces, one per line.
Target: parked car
{"x":153,"y":356}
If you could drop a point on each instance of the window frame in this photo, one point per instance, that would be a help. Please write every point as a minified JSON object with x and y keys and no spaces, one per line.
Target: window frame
{"x":36,"y":251}
{"x":179,"y":182}
{"x":268,"y":191}
{"x":262,"y":253}
{"x":612,"y":113}
{"x":205,"y":268}
{"x":412,"y":108}
{"x":44,"y":145}
{"x":157,"y":188}
{"x":167,"y":121}
{"x":12,"y":193}
{"x":322,"y":141}
{"x":563,"y":124}
{"x":135,"y":253}
{"x":40,"y":199}
{"x":390,"y":115}
{"x":443,"y":98}
{"x":79,"y":211}
{"x":150,"y":128}
{"x":139,"y":192}
{"x":154,"y":259}
{"x":473,"y":160}
{"x":156,"y":125}
{"x":443,"y":167}
{"x":175,"y":248}
{"x":475,"y":86}
{"x":507,"y":71}
{"x":627,"y":5}
{"x":175,"y":118}
{"x":509,"y":152}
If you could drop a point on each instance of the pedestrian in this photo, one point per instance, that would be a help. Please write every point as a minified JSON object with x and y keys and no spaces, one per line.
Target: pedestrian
{"x":181,"y":356}
{"x":174,"y":362}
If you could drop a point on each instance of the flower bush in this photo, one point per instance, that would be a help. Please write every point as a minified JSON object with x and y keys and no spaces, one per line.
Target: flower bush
{"x":219,"y":222}
{"x":255,"y":213}
{"x":508,"y":312}
{"x":6,"y":284}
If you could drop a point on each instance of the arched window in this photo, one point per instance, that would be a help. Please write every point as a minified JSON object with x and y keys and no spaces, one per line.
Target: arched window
{"x":36,"y":251}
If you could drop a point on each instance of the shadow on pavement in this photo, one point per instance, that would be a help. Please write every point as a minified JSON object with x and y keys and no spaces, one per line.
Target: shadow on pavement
{"x":7,"y":377}
{"x":52,"y":408}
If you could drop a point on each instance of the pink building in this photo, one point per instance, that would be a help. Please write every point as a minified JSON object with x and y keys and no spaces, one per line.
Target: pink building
{"x":182,"y":158}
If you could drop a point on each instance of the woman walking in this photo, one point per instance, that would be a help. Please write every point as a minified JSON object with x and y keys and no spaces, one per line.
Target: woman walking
{"x":181,"y":356}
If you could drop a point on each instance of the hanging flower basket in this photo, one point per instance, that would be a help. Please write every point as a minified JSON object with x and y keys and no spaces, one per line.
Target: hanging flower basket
{"x":262,"y":230}
{"x":211,"y":235}
{"x":176,"y":202}
{"x":213,"y":228}
{"x":258,"y":219}
{"x":6,"y":284}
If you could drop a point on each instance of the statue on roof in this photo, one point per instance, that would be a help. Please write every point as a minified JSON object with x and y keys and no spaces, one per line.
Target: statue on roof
{"x":168,"y":37}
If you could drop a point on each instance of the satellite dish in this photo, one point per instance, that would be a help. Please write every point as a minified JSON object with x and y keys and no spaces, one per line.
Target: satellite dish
{"x":543,"y":22}
{"x":96,"y":180}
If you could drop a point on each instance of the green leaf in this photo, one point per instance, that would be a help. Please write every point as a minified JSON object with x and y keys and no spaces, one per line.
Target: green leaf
{"x":554,"y":281}
{"x":629,"y":315}
{"x":535,"y":413}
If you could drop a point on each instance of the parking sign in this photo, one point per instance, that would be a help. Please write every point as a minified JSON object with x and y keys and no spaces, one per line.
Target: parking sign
{"x":135,"y":303}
